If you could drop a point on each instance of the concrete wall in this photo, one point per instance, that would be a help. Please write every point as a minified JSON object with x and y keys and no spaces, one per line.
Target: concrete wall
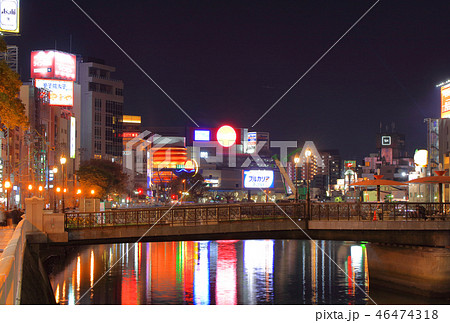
{"x":419,"y":270}
{"x":276,"y":228}
{"x":434,"y":234}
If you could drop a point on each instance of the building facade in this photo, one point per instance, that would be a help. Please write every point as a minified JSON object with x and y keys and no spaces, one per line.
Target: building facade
{"x":101,"y":111}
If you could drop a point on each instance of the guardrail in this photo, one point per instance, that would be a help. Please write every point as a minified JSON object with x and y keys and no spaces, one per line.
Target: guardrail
{"x":11,"y":264}
{"x":219,"y":213}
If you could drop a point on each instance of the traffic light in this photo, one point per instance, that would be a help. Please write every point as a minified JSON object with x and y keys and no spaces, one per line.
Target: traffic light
{"x":174,"y":197}
{"x":140,"y":191}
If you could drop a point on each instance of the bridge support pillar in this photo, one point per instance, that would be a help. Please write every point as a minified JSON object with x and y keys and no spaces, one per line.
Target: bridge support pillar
{"x":44,"y":226}
{"x":419,"y":270}
{"x":34,"y":213}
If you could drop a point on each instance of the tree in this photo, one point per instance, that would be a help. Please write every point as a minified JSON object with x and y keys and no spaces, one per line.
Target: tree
{"x":195,"y":185}
{"x":103,"y":176}
{"x":12,"y":110}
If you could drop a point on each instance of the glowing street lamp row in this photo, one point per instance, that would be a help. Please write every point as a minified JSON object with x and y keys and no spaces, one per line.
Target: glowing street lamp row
{"x":7,"y":185}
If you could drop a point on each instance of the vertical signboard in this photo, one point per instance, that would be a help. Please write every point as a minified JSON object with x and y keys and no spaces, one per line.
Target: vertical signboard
{"x":251,"y":142}
{"x":445,"y":101}
{"x":72,"y":137}
{"x":9,"y":16}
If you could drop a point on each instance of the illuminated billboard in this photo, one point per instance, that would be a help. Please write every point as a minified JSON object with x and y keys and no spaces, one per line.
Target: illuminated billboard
{"x":445,"y":101}
{"x":9,"y":16}
{"x":72,"y":137}
{"x":251,"y":142}
{"x":421,"y":157}
{"x":226,"y":136}
{"x":202,"y":135}
{"x":386,"y":140}
{"x":51,"y":64}
{"x":258,"y":178}
{"x":350,"y":163}
{"x":61,"y":92}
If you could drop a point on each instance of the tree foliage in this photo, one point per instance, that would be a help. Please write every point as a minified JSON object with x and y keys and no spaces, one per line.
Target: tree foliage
{"x":12,"y":110}
{"x":195,"y":185}
{"x":103,"y":176}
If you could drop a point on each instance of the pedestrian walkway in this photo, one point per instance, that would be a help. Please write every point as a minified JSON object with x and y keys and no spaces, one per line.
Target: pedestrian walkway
{"x":5,"y":235}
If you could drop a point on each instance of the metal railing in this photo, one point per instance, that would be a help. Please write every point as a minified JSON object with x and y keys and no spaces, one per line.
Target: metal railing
{"x":204,"y":214}
{"x":184,"y":215}
{"x":397,"y":211}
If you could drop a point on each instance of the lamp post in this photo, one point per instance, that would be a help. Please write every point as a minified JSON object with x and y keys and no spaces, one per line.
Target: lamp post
{"x":296,"y":160}
{"x":307,"y":155}
{"x":7,"y":186}
{"x":40,"y":189}
{"x":63,"y":161}
{"x":58,"y":189}
{"x":55,"y":171}
{"x":30,"y":189}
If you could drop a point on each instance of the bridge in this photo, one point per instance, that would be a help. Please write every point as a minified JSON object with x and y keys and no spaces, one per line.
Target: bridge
{"x":409,"y":243}
{"x":419,"y":224}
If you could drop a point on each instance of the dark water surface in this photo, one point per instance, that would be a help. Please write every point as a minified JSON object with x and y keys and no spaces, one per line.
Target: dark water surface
{"x":220,"y":272}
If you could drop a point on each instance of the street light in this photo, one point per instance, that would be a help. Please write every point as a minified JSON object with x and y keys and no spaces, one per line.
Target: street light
{"x":308,"y":200}
{"x":296,"y":160}
{"x":63,"y":161}
{"x":55,"y":171}
{"x":30,"y":188}
{"x":7,"y":185}
{"x":58,"y":189}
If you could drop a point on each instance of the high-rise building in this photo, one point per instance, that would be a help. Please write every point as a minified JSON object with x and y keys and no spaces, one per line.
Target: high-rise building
{"x":391,"y":161}
{"x":101,"y":112}
{"x":332,"y":167}
{"x":11,"y":56}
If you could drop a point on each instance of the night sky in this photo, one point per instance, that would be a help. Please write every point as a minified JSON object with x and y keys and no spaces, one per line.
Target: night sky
{"x":229,"y":61}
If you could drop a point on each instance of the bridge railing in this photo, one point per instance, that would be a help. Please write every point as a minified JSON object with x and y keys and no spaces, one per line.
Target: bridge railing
{"x":218,"y":213}
{"x":185,"y":215}
{"x":397,"y":211}
{"x":11,"y":265}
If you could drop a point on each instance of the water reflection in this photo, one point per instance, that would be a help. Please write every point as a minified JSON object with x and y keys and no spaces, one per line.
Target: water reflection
{"x":215,"y":272}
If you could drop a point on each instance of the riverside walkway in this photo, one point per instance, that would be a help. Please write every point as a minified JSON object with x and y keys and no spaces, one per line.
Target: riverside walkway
{"x":5,"y":235}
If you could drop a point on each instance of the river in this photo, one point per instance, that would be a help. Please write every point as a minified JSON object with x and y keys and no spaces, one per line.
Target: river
{"x":220,"y":272}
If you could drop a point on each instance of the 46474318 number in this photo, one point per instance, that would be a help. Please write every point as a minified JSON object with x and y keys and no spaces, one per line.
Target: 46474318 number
{"x":405,"y":314}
